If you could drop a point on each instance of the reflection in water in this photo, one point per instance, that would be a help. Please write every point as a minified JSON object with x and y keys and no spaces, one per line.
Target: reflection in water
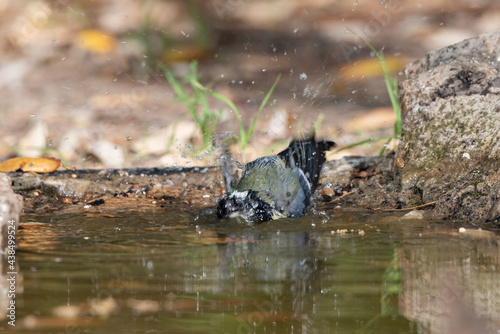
{"x":452,"y":284}
{"x":280,"y":277}
{"x":285,"y":267}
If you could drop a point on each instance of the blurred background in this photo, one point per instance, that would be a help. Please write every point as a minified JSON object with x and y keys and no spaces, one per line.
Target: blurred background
{"x":85,"y":81}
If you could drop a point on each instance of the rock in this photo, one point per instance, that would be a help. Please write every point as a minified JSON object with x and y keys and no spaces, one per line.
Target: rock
{"x":11,"y":205}
{"x":415,"y":214}
{"x":450,"y":147}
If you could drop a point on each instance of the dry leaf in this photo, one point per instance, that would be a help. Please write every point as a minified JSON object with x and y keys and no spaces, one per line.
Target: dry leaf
{"x":96,"y":41}
{"x":37,"y":165}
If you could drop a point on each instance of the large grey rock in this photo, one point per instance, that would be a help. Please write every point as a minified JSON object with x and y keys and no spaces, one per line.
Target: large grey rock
{"x":450,"y":147}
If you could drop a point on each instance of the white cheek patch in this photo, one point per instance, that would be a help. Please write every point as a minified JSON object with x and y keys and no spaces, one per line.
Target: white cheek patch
{"x":239,"y":194}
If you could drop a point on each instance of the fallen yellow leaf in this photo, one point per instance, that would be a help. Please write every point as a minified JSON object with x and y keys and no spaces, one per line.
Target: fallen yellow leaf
{"x":96,"y":41}
{"x":371,"y":67}
{"x":37,"y":165}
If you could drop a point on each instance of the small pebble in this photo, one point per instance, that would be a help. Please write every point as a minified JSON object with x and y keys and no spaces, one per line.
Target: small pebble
{"x":413,"y":215}
{"x":461,"y":230}
{"x":327,"y":193}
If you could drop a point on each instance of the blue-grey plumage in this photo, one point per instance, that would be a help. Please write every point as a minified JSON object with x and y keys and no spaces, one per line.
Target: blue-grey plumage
{"x":278,"y":185}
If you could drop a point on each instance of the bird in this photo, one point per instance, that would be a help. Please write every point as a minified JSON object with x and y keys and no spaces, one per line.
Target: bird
{"x":274,"y":186}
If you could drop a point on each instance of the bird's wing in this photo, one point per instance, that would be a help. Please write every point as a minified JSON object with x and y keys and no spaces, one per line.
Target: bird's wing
{"x":308,"y":155}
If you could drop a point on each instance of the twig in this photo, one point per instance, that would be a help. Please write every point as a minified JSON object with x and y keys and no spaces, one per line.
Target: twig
{"x":342,"y":196}
{"x":405,"y":209}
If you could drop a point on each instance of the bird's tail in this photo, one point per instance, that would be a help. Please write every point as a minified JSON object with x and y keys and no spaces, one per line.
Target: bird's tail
{"x":309,"y":156}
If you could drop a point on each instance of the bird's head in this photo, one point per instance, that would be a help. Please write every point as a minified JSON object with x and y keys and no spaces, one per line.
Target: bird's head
{"x":246,"y":204}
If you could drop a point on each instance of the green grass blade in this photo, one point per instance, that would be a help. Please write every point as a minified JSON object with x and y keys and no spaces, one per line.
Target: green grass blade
{"x":317,"y":123}
{"x":175,"y":85}
{"x":362,"y":142}
{"x":391,"y":86}
{"x":262,"y":105}
{"x":191,"y":103}
{"x":227,"y":101}
{"x":382,"y":151}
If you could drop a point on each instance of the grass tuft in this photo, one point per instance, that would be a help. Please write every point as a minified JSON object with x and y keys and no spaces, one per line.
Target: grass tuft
{"x":196,"y":103}
{"x":391,"y":84}
{"x":208,"y":120}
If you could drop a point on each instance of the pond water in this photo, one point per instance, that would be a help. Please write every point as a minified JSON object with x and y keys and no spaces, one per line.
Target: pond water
{"x":179,"y":272}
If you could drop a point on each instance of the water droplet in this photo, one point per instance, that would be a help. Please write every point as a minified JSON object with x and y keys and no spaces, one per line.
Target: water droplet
{"x":263,"y":70}
{"x":303,"y":76}
{"x":295,"y":30}
{"x":128,"y":138}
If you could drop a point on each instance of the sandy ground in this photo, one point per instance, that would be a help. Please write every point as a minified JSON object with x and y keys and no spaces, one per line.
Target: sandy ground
{"x":99,"y":102}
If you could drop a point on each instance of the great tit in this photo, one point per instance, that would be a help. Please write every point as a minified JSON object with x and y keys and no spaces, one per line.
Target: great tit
{"x":275,"y":186}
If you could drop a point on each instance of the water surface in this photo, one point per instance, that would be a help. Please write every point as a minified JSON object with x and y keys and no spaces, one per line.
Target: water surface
{"x":181,"y":272}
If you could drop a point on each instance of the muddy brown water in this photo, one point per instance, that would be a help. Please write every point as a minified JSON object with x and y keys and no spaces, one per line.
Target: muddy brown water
{"x":187,"y":272}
